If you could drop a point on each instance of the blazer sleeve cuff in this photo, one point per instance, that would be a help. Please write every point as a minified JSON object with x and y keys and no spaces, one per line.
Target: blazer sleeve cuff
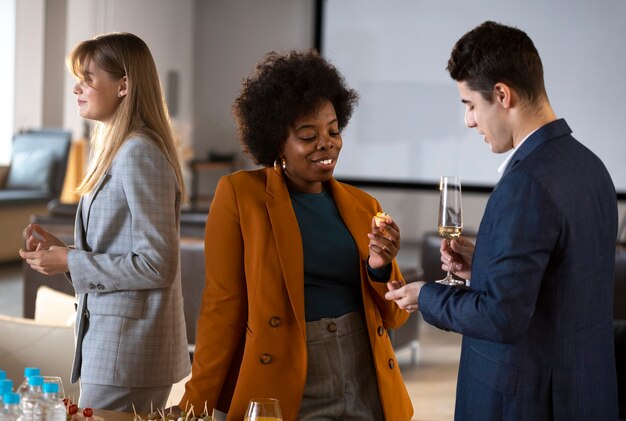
{"x":380,"y":274}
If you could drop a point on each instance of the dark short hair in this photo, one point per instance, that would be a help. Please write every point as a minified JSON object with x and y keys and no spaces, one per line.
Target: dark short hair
{"x":492,"y":53}
{"x":283,"y":88}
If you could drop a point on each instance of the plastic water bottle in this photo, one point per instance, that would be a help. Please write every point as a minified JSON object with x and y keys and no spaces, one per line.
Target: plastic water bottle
{"x":6,"y":386}
{"x":28,"y":371}
{"x":31,"y":398}
{"x":3,"y":376}
{"x":11,"y":411}
{"x":51,"y":407}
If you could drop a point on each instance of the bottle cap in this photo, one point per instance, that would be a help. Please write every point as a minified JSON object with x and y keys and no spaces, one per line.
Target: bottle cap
{"x":49,"y":387}
{"x":31,"y":371}
{"x":6,"y":386}
{"x":11,"y":398}
{"x":3,"y":374}
{"x":35,"y":380}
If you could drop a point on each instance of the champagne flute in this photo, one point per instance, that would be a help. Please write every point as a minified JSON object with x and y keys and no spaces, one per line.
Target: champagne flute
{"x":263,"y":409}
{"x":450,"y":217}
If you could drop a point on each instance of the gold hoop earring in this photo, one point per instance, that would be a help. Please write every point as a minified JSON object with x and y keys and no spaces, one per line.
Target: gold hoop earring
{"x":280,"y":165}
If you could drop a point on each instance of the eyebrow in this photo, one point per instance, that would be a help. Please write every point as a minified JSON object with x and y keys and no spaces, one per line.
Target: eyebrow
{"x":466,"y":101}
{"x":312,"y":126}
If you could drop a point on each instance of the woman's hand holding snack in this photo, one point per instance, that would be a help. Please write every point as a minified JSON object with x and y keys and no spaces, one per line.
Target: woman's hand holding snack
{"x":384,"y":240}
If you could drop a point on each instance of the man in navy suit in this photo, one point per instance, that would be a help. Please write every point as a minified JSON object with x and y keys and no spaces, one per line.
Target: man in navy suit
{"x":537,"y":319}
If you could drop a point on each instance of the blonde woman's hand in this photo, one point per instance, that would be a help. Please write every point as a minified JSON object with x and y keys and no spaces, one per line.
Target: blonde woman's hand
{"x":37,"y":238}
{"x":51,"y":261}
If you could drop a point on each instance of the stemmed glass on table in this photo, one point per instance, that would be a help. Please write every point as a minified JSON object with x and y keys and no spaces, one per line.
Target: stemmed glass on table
{"x":263,"y":409}
{"x":450,"y":217}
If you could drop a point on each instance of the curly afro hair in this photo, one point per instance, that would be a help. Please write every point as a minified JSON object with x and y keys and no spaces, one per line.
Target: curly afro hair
{"x":284,"y":87}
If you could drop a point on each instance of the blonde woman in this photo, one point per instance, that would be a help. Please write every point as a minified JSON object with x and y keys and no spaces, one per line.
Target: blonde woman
{"x":131,"y":344}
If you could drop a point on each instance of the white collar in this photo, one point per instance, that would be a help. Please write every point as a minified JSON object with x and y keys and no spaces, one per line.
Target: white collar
{"x":503,"y":166}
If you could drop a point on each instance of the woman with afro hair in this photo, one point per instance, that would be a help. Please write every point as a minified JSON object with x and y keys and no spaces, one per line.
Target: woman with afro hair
{"x":296,"y":268}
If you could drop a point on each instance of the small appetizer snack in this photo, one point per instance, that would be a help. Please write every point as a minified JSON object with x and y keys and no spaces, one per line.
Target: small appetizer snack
{"x":382,"y":217}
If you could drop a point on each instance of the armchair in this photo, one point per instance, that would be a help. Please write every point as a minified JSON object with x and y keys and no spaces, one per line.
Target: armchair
{"x":35,"y":176}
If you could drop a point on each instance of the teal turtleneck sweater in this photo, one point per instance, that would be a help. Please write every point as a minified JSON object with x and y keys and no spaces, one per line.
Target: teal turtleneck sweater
{"x":332,"y":281}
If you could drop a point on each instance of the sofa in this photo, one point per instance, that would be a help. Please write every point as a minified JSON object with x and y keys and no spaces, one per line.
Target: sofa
{"x":35,"y":176}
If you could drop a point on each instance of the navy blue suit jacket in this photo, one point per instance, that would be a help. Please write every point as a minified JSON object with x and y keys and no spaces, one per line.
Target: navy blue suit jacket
{"x":537,"y":320}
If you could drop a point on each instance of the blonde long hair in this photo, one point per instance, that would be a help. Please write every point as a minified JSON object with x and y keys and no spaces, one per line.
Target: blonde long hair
{"x":143,"y":110}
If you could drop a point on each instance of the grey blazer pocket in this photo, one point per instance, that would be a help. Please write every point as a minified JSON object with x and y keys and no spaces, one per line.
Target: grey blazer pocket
{"x":494,"y":374}
{"x":129,"y":304}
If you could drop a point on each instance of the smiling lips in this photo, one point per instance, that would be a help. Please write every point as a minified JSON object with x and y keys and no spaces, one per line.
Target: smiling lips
{"x":326,"y":163}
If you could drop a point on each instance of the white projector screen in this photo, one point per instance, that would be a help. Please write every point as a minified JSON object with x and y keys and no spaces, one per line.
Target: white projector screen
{"x":409,"y":126}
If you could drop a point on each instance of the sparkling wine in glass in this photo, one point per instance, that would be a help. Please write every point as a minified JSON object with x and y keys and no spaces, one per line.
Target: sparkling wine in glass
{"x":263,"y":409}
{"x":450,"y":217}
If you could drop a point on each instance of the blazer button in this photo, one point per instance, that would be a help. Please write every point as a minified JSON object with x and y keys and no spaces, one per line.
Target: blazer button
{"x":100,"y":286}
{"x":275,"y":321}
{"x":392,"y":364}
{"x":266,"y":359}
{"x":332,"y":327}
{"x":92,"y":285}
{"x":381,"y":331}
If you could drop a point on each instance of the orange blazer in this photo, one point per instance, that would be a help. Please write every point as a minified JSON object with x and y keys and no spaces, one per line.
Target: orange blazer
{"x":251,"y":333}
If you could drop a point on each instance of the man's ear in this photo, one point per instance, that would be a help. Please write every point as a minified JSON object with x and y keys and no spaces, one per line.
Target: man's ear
{"x":123,"y":88}
{"x":502,"y":94}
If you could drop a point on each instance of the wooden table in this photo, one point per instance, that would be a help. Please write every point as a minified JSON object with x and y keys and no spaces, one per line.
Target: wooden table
{"x":113,"y":415}
{"x":125,"y":416}
{"x":116,"y":416}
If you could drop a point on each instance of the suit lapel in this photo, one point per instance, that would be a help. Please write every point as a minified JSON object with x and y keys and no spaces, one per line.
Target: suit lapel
{"x":80,"y":238}
{"x":288,"y":242}
{"x":91,"y":197}
{"x":80,"y":242}
{"x":545,"y":133}
{"x":79,"y":226}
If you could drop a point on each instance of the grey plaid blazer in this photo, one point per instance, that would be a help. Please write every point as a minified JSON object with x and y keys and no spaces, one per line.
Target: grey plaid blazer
{"x":125,"y":269}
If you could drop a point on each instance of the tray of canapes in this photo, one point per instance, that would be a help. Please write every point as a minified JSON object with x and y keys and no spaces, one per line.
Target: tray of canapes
{"x":74,"y":413}
{"x":164,"y":415}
